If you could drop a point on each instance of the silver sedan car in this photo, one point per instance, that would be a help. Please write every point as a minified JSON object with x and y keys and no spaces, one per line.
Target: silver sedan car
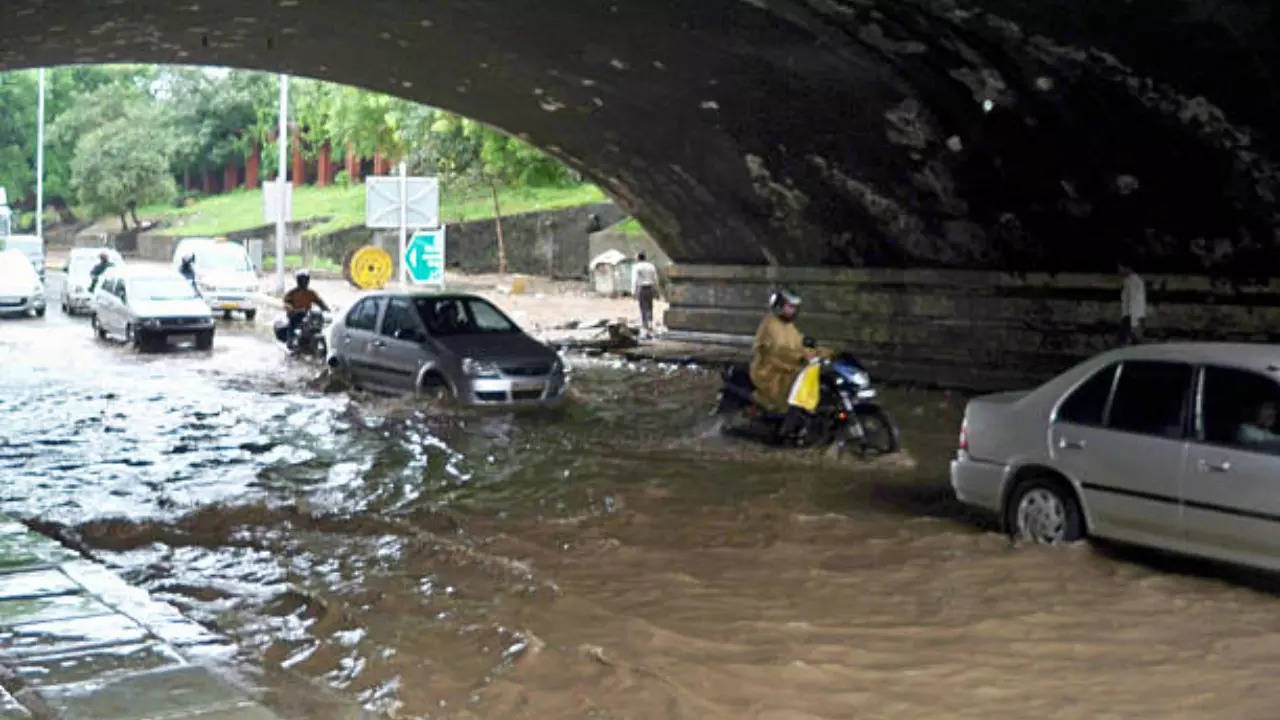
{"x":444,"y":343}
{"x":1170,"y":446}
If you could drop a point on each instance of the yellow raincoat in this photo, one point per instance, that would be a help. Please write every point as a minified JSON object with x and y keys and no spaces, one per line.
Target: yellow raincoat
{"x":779,"y":353}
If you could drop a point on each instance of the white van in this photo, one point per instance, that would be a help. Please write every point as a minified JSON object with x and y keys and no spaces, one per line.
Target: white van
{"x":224,"y":274}
{"x":31,"y":246}
{"x":76,"y":296}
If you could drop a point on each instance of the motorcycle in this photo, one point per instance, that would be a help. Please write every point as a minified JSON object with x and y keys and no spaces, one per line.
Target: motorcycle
{"x":308,"y":337}
{"x":847,"y":412}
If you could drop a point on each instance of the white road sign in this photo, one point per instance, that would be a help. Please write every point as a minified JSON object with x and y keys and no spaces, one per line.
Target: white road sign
{"x":382,"y":201}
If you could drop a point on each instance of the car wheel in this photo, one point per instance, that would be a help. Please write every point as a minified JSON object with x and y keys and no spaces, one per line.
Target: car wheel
{"x":1044,"y":510}
{"x":130,"y":338}
{"x":226,"y":314}
{"x":98,"y":330}
{"x":250,"y":315}
{"x":40,"y":312}
{"x":434,"y":387}
{"x":204,"y":340}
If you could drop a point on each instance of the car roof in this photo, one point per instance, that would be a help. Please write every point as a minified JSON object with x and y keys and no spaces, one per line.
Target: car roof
{"x":134,"y":272}
{"x":92,"y":252}
{"x":420,"y":294}
{"x":1259,"y":355}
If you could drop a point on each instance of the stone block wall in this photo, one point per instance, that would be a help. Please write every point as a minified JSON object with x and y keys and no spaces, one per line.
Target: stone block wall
{"x":968,"y":329}
{"x":550,"y":243}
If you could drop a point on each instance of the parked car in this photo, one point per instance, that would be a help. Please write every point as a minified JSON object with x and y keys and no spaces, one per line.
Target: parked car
{"x":1170,"y":446}
{"x":21,"y":291}
{"x":148,"y":308}
{"x":442,"y":343}
{"x":224,"y":274}
{"x":75,"y":288}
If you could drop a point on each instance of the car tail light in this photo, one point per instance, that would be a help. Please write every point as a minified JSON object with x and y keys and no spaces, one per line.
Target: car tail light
{"x":964,"y":434}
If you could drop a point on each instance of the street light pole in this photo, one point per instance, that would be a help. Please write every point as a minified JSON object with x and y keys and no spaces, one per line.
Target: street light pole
{"x":40,"y":160}
{"x":282,"y":178}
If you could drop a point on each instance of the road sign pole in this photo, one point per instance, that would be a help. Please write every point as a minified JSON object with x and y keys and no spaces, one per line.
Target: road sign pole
{"x":404,"y":221}
{"x":282,"y":135}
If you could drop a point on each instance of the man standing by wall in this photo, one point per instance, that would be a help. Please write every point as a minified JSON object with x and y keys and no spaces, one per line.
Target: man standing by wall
{"x":644,"y":283}
{"x":1133,"y":306}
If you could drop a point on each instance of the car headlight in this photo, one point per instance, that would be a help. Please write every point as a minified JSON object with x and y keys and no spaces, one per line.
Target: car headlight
{"x":151,"y":322}
{"x":480,"y":368}
{"x":861,"y":378}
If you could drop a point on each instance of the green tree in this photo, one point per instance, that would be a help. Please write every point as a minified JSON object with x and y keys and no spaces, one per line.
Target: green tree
{"x":123,"y":164}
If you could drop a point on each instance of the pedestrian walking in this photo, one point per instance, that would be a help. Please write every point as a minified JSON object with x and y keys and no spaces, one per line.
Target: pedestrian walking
{"x":1133,"y":306}
{"x":644,"y":283}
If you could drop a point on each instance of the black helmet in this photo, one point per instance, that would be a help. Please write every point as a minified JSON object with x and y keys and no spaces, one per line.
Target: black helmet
{"x":189,"y":258}
{"x":303,"y":277}
{"x":781,"y":298}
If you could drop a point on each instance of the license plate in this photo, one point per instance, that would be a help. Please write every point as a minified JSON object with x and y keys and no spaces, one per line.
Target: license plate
{"x":229,"y":305}
{"x":181,"y":339}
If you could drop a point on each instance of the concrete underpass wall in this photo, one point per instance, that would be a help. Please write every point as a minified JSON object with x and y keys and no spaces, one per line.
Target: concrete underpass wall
{"x":968,"y":329}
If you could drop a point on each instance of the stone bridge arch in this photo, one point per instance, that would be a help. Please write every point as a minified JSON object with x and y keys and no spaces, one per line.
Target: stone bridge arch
{"x":981,"y":133}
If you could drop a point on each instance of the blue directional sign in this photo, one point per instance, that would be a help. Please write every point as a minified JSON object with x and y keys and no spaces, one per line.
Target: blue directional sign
{"x":424,"y":257}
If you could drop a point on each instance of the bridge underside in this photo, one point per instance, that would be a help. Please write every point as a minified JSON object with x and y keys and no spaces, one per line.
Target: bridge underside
{"x":1011,"y":134}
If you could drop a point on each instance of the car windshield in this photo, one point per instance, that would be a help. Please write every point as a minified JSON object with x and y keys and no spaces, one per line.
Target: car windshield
{"x":462,"y":316}
{"x":159,"y":289}
{"x":16,"y":270}
{"x":227,"y":257}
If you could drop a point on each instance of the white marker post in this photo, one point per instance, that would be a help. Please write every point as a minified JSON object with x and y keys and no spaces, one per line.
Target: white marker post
{"x":40,"y":161}
{"x":282,"y":177}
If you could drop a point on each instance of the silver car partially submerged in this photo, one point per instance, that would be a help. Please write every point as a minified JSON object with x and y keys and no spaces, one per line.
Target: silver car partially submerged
{"x":1171,"y":446}
{"x":444,"y":343}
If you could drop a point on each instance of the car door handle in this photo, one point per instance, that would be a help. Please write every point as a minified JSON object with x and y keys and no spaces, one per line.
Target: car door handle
{"x":379,"y":344}
{"x":1221,"y":467}
{"x":1069,"y":444}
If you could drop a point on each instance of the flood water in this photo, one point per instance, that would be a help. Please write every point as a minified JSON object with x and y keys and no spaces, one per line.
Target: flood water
{"x":617,"y":559}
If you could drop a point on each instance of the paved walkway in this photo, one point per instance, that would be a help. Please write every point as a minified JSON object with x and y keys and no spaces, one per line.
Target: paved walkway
{"x":76,"y":641}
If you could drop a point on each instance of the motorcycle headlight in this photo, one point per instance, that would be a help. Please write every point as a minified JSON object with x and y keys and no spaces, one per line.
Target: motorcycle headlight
{"x":861,"y":378}
{"x":480,"y":368}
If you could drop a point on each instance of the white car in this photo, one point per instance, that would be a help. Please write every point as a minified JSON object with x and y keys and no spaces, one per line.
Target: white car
{"x":224,"y":274}
{"x":76,"y":296}
{"x":148,"y":308}
{"x":1170,"y":446}
{"x":21,"y":291}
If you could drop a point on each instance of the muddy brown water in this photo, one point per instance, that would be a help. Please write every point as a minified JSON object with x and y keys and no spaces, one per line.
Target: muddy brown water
{"x":616,"y":559}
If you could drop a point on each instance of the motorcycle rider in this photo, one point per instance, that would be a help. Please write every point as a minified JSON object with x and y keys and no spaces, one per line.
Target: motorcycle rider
{"x":104,"y":262}
{"x":298,"y":301}
{"x":779,"y":352}
{"x":188,"y":270}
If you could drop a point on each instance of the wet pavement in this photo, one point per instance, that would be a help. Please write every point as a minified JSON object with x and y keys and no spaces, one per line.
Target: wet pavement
{"x":76,"y":641}
{"x":619,"y":558}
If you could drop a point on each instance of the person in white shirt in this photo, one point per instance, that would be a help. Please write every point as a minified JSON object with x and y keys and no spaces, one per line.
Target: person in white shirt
{"x":1133,"y":306}
{"x":644,"y":284}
